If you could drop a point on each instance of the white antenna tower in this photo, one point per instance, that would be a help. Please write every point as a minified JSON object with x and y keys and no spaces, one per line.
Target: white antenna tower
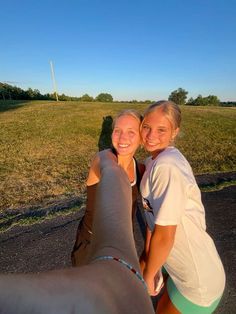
{"x":53,"y":80}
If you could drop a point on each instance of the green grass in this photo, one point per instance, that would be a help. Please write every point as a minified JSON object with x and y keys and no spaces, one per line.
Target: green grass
{"x":218,"y":187}
{"x":46,"y":147}
{"x":26,"y":221}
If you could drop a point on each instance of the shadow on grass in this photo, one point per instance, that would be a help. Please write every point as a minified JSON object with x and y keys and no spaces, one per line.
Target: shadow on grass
{"x":6,"y":105}
{"x":104,"y":141}
{"x":34,"y":214}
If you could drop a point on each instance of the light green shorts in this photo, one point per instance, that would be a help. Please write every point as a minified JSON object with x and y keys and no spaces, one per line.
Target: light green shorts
{"x":185,"y":306}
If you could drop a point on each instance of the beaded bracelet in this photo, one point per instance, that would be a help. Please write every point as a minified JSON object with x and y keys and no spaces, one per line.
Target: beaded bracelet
{"x":130,"y":267}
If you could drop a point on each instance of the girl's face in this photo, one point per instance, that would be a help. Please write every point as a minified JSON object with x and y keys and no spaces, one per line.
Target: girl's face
{"x":157,"y":132}
{"x":125,"y":136}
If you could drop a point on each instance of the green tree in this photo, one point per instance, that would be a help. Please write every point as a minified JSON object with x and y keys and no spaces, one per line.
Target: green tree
{"x":190,"y":102}
{"x":104,"y":97}
{"x":12,"y":92}
{"x":210,"y":100}
{"x":179,"y":96}
{"x":63,"y":97}
{"x":213,"y":100}
{"x":86,"y":97}
{"x":33,"y":94}
{"x":199,"y":101}
{"x":2,"y":91}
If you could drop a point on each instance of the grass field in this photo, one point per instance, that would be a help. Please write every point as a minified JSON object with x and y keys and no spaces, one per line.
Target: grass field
{"x":46,"y":147}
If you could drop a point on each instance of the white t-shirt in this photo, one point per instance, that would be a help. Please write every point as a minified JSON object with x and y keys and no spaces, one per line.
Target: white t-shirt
{"x":171,"y":197}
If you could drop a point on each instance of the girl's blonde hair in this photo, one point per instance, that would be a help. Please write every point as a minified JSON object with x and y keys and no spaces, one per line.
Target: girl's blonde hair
{"x":128,"y":112}
{"x":169,"y":108}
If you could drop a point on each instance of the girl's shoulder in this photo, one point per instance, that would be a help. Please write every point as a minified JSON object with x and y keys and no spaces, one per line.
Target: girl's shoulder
{"x":101,"y":152}
{"x":147,"y":161}
{"x":171,"y":155}
{"x":94,"y":170}
{"x":171,"y":159}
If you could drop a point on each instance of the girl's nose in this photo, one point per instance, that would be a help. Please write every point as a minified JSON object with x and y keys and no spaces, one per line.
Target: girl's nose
{"x":123,"y":135}
{"x":150,"y":134}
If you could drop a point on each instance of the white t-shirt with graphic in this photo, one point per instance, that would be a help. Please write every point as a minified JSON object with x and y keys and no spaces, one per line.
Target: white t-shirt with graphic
{"x":171,"y":197}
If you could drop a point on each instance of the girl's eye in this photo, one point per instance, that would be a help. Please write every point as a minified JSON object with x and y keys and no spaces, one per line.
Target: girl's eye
{"x":145,"y":127}
{"x":116,"y":131}
{"x":131,"y":133}
{"x":161,"y":130}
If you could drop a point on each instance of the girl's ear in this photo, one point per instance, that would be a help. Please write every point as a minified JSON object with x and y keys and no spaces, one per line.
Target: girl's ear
{"x":175,"y":133}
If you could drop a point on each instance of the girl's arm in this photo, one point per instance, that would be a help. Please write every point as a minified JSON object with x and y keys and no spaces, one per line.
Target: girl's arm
{"x":161,"y":243}
{"x":112,"y":227}
{"x":94,"y":171}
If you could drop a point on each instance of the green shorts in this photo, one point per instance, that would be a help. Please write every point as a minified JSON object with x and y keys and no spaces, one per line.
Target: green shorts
{"x":185,"y":306}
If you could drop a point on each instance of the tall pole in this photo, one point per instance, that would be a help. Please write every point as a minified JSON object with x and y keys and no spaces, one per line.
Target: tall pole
{"x":53,"y":80}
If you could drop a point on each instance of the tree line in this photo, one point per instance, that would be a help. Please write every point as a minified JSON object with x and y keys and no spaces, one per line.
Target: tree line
{"x":9,"y":92}
{"x":179,"y":96}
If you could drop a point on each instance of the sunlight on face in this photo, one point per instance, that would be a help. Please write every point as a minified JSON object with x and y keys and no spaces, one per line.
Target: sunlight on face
{"x":125,"y":135}
{"x":157,"y":132}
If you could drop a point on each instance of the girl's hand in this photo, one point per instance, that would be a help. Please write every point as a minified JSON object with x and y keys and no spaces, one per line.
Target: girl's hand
{"x":150,"y":285}
{"x":158,"y":281}
{"x":154,"y":284}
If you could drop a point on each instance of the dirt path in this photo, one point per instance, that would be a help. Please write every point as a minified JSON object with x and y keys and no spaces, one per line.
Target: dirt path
{"x":47,"y":245}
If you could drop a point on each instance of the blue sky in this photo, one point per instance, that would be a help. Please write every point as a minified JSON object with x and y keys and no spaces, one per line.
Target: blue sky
{"x":132,"y":49}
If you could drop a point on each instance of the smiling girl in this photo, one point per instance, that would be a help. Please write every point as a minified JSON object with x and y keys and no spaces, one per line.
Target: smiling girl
{"x":176,"y":236}
{"x":125,"y":141}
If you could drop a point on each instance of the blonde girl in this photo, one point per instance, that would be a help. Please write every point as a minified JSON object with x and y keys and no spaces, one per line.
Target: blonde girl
{"x":125,"y":141}
{"x":176,"y":235}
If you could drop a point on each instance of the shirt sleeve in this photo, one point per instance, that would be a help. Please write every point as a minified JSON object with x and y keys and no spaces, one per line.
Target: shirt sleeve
{"x":168,"y":194}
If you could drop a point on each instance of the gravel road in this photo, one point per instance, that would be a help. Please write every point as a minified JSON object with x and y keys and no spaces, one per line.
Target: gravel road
{"x":47,"y":245}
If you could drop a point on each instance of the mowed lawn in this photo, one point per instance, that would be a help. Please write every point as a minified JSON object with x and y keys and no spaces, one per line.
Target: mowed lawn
{"x":46,"y":147}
